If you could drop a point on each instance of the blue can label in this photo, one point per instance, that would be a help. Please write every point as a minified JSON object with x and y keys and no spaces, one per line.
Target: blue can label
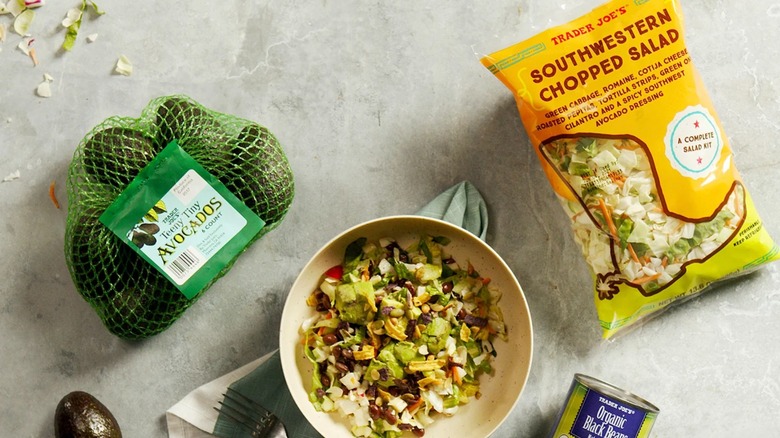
{"x":602,"y":417}
{"x":595,"y":409}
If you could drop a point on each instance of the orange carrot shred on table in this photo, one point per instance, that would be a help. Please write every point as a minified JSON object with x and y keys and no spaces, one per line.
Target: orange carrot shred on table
{"x":53,"y":196}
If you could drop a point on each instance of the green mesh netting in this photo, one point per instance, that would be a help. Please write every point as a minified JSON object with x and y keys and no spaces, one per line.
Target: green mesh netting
{"x":131,"y":297}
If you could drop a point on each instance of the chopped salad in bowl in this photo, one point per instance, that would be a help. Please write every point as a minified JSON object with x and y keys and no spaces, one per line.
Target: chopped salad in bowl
{"x":402,"y":330}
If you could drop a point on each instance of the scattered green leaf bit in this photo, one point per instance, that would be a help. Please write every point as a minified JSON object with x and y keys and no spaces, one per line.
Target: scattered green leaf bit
{"x":44,"y":88}
{"x":124,"y":66}
{"x":73,"y":22}
{"x":23,"y":21}
{"x":15,"y":7}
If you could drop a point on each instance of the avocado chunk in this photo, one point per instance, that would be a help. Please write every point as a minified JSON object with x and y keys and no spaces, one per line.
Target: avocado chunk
{"x":385,"y":368}
{"x":435,"y":334}
{"x":355,"y":302}
{"x":81,"y":415}
{"x":406,"y":352}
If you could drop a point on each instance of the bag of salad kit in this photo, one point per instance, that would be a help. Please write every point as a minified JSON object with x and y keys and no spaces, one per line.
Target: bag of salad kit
{"x":635,"y":152}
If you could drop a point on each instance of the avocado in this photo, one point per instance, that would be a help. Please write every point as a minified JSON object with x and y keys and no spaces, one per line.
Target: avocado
{"x":99,"y":260}
{"x":196,"y":130}
{"x":131,"y":297}
{"x":386,"y":361}
{"x":81,"y":415}
{"x":355,"y":302}
{"x":115,"y":155}
{"x":144,"y":305}
{"x":260,"y":174}
{"x":406,"y":352}
{"x":435,"y":334}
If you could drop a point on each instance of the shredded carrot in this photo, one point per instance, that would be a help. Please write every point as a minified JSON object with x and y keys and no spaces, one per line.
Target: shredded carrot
{"x":618,"y":178}
{"x":665,"y":261}
{"x":486,"y":281}
{"x":414,"y":406}
{"x":321,"y":330}
{"x":608,"y":217}
{"x":53,"y":196}
{"x":647,"y":279}
{"x":33,"y":57}
{"x":455,"y":375}
{"x":633,"y":254}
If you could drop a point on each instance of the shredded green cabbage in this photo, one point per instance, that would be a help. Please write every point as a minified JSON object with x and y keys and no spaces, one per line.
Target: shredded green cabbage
{"x":73,"y":22}
{"x":619,"y":212}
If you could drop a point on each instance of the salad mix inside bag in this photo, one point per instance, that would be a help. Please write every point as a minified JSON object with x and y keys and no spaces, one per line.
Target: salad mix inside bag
{"x":633,"y":148}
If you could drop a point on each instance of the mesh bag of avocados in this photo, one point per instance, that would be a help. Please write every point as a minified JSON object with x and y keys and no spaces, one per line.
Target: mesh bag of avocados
{"x":229,"y":183}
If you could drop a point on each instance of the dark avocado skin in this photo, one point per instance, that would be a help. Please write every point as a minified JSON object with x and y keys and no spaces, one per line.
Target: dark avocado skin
{"x":115,"y":155}
{"x":80,"y":415}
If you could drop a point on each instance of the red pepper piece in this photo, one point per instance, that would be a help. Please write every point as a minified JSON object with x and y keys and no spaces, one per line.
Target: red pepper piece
{"x":335,"y":272}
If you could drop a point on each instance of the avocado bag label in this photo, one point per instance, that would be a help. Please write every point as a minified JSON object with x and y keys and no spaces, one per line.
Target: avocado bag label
{"x":182,"y":220}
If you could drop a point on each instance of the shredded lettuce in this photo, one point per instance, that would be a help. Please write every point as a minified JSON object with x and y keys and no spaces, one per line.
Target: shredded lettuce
{"x":23,"y":21}
{"x":124,"y":66}
{"x":72,"y":22}
{"x":623,"y":228}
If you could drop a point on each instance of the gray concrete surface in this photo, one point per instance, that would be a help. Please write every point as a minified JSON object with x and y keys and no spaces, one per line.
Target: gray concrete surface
{"x":380,"y":106}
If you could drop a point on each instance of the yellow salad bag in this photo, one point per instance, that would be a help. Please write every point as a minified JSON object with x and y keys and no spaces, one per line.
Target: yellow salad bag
{"x":635,"y":152}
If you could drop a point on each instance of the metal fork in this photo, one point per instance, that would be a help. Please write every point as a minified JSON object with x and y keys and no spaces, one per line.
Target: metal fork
{"x":248,"y":414}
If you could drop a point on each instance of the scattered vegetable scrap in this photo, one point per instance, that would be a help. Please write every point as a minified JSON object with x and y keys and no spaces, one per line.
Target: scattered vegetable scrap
{"x":44,"y":89}
{"x":33,"y":3}
{"x":2,"y":32}
{"x":12,"y":176}
{"x":23,"y":47}
{"x":14,"y":7}
{"x":23,"y":21}
{"x":53,"y":196}
{"x":72,"y":22}
{"x":31,"y":52}
{"x":124,"y":66}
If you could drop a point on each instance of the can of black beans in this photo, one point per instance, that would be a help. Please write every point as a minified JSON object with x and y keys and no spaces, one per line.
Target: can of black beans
{"x":596,"y":409}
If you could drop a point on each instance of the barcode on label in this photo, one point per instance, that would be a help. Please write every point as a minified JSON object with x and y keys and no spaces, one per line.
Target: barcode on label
{"x":183,"y":266}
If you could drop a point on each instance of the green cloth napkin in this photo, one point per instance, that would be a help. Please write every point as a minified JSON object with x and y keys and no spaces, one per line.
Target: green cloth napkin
{"x":461,"y":205}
